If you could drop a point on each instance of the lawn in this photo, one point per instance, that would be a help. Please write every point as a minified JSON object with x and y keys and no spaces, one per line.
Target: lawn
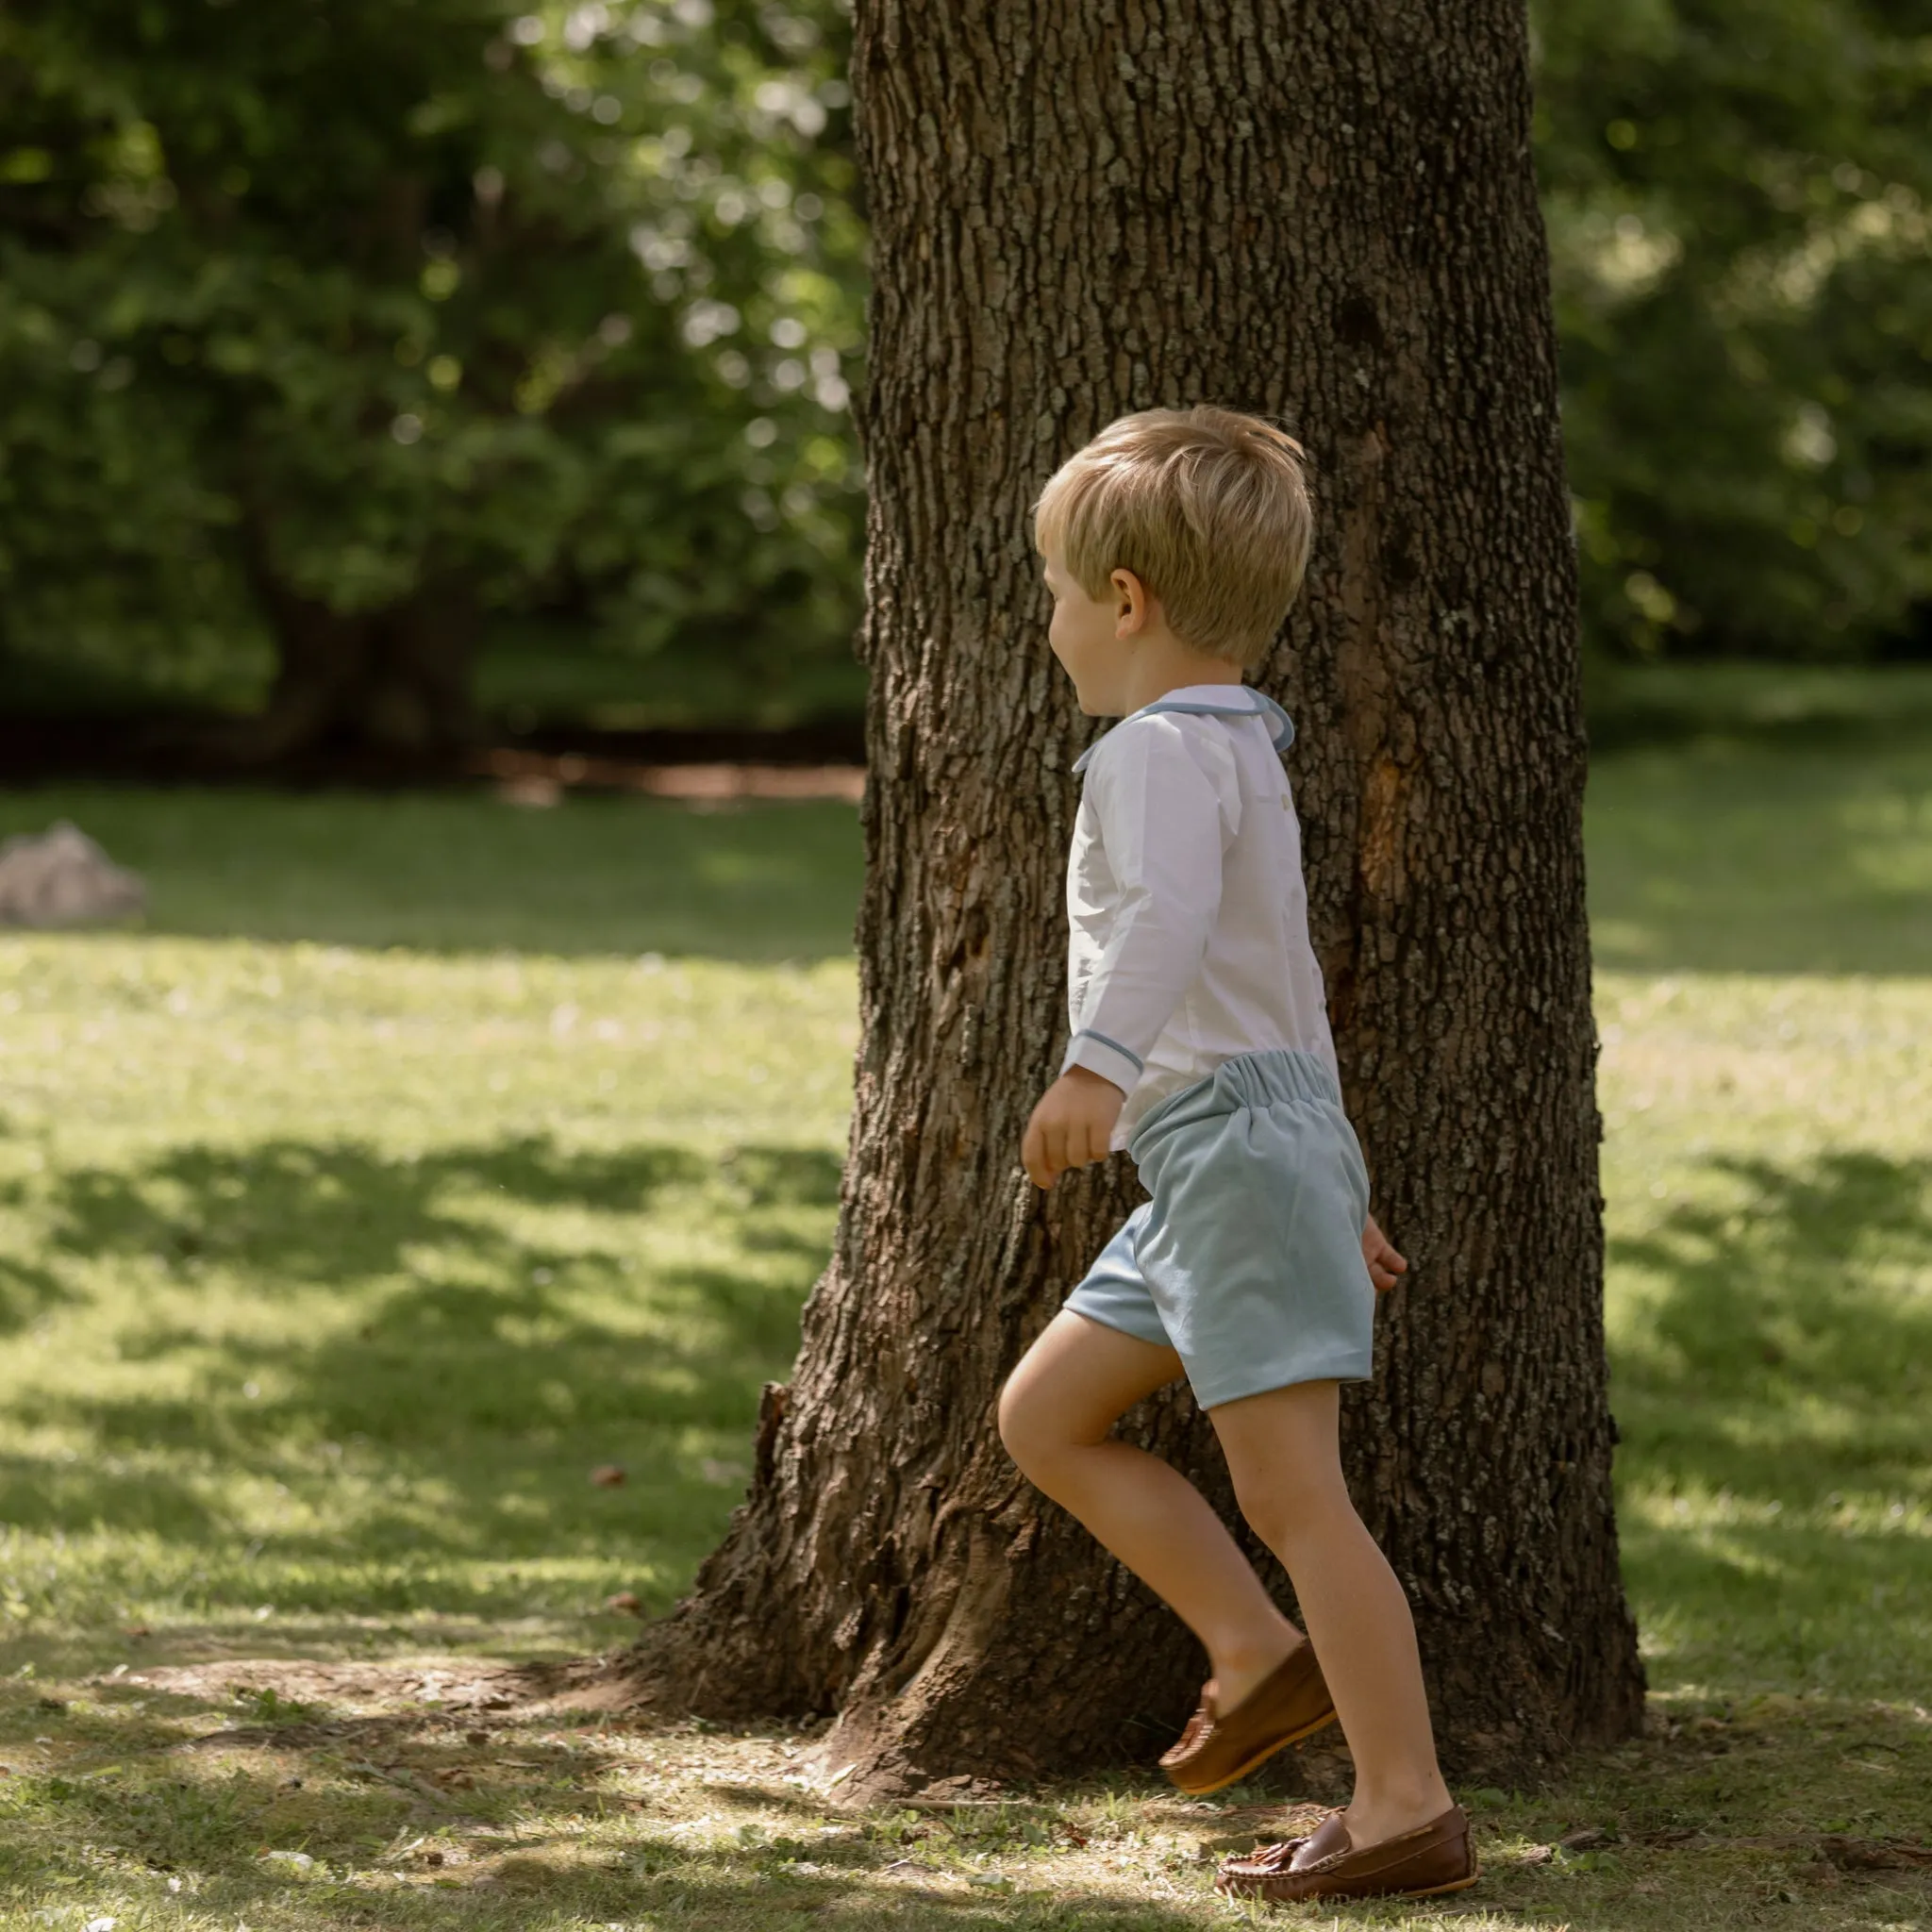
{"x":423,"y":1155}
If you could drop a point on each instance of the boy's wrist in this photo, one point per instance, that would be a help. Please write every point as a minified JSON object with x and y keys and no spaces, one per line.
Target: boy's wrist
{"x":1087,"y":1077}
{"x":1106,"y":1059}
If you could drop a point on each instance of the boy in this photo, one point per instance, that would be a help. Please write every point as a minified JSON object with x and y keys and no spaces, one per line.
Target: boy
{"x":1175,"y":543}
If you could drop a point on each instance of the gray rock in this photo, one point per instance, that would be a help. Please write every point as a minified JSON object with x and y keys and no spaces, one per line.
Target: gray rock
{"x":62,"y":877}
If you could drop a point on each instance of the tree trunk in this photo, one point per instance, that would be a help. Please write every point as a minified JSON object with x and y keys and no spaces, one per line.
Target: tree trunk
{"x":1328,"y":214}
{"x":393,"y":681}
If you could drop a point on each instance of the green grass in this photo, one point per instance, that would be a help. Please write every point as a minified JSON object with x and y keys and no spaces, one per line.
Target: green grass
{"x":1769,"y":1171}
{"x":1751,"y":857}
{"x":423,"y":1154}
{"x":1850,"y":706}
{"x":453,"y":872}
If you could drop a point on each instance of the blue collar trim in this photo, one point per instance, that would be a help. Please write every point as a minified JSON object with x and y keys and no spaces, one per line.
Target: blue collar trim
{"x":1281,"y":726}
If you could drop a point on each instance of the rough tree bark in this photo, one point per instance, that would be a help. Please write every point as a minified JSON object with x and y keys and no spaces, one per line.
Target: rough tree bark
{"x":1326,"y":212}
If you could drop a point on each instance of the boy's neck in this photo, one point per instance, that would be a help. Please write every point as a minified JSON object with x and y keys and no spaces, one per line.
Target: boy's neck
{"x":1163,"y":664}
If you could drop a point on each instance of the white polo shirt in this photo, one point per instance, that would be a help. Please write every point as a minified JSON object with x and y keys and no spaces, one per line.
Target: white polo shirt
{"x":1187,"y":914}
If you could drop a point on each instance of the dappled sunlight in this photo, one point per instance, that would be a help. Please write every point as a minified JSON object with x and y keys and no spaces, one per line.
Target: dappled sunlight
{"x":397,"y":1312}
{"x":1769,"y":1172}
{"x":442,"y":1795}
{"x":336,"y":1388}
{"x":331,"y":1277}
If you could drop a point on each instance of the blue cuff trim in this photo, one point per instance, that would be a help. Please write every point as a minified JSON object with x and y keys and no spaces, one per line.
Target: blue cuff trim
{"x":1127,"y":1054}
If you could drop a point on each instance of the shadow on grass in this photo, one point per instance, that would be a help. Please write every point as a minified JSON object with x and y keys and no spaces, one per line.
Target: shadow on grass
{"x":1797,"y":1291}
{"x":1774,"y":1405}
{"x":504,"y":1826}
{"x":1728,"y":857}
{"x":1769,"y":1815}
{"x":461,"y":872}
{"x":422,"y":1318}
{"x":27,"y":1291}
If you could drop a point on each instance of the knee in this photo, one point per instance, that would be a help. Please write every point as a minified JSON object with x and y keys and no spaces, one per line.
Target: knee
{"x":1028,"y":1425}
{"x":1286,"y":1508}
{"x":1019,"y":1428}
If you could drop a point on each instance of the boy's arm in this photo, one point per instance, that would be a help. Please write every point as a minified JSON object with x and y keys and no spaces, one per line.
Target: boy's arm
{"x":1163,"y":826}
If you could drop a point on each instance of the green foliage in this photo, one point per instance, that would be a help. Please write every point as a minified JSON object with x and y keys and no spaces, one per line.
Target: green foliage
{"x":1738,"y":204}
{"x":358,"y":303}
{"x":556,"y":313}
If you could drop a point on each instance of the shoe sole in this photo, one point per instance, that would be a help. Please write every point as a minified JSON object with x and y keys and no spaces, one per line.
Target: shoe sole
{"x":1261,"y":1757}
{"x":1421,"y":1891}
{"x":1437,"y":1891}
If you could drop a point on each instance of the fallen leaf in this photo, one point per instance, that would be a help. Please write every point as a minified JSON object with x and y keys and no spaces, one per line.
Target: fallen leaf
{"x":626,"y":1601}
{"x":607,"y":1476}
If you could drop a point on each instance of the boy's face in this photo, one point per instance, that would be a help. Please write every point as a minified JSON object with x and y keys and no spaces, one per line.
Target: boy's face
{"x":1087,"y":638}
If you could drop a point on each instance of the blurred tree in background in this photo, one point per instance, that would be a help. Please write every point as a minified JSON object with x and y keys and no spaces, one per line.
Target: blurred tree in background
{"x":1738,"y":195}
{"x":334,"y":328}
{"x":340,"y":336}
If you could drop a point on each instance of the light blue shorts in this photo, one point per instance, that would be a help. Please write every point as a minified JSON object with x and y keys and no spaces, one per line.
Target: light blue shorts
{"x":1248,"y":1260}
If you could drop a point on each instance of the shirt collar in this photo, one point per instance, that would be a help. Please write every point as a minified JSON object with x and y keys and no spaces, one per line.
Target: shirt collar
{"x":1212,"y":701}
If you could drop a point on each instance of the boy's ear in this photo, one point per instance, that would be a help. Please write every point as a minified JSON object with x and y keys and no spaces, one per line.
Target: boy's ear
{"x":1130,"y":603}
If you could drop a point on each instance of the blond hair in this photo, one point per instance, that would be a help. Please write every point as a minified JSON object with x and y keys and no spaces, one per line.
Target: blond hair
{"x":1207,"y":507}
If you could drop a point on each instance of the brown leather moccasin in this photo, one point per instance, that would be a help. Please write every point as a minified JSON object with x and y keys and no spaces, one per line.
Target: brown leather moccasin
{"x":1289,"y":1704}
{"x":1419,"y":1864}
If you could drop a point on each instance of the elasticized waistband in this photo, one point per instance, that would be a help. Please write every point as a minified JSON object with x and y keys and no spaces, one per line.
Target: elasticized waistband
{"x":1249,"y":1080}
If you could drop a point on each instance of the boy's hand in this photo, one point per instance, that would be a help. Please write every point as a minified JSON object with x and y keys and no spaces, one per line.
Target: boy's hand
{"x":1385,"y":1264}
{"x":1072,"y":1126}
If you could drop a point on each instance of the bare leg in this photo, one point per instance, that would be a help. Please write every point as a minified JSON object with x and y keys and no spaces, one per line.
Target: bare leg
{"x":1284,"y":1451}
{"x":1075,"y":1382}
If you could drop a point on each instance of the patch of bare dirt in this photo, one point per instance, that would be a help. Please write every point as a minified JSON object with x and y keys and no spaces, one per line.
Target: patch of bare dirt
{"x":370,"y":1689}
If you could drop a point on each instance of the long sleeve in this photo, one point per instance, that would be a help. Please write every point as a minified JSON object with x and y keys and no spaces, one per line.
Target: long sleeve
{"x":1166,"y":805}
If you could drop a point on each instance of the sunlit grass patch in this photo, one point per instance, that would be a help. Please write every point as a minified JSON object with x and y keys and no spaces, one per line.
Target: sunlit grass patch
{"x":1769,"y":1173}
{"x":330,"y":1271}
{"x":1798,"y":855}
{"x":165,"y":1799}
{"x":331,"y":1276}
